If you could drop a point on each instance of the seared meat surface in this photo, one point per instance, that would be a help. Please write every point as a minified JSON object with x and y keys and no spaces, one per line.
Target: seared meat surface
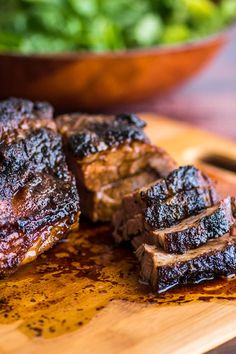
{"x":38,"y":198}
{"x":183,"y":193}
{"x":105,"y":151}
{"x":194,"y":231}
{"x":87,"y":135}
{"x":17,"y":116}
{"x":164,"y":271}
{"x":180,"y":230}
{"x":180,"y":206}
{"x":39,"y":150}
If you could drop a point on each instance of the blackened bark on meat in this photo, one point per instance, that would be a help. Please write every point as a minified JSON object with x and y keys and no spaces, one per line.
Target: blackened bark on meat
{"x":39,"y":202}
{"x":130,"y":119}
{"x":42,"y":212}
{"x":194,"y":231}
{"x":17,"y":109}
{"x":104,"y":153}
{"x":180,"y":180}
{"x":233,"y":205}
{"x":182,"y":205}
{"x":39,"y":151}
{"x":45,"y":200}
{"x":16,"y":113}
{"x":93,"y":134}
{"x":164,"y":271}
{"x":163,"y":204}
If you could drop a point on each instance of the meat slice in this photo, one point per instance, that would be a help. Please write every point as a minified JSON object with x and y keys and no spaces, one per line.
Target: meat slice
{"x":107,"y":150}
{"x":195,"y":230}
{"x":164,"y":203}
{"x":18,"y":116}
{"x":102,"y":205}
{"x":164,"y":271}
{"x":104,"y":149}
{"x":163,"y":215}
{"x":39,"y":202}
{"x":180,"y":206}
{"x":180,"y":180}
{"x":42,"y":212}
{"x":233,"y":204}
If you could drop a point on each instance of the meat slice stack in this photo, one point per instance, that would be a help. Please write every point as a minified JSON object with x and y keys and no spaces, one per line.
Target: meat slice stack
{"x":183,"y":193}
{"x":110,"y":157}
{"x":180,"y":229}
{"x":39,"y":202}
{"x":163,"y":270}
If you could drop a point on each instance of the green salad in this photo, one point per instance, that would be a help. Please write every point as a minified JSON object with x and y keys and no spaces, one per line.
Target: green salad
{"x":46,"y":26}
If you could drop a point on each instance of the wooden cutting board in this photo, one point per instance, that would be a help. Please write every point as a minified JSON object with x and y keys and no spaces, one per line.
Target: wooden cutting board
{"x":84,"y":296}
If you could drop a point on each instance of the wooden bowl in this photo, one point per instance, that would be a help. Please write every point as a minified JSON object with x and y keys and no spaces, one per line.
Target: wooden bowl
{"x":91,"y":82}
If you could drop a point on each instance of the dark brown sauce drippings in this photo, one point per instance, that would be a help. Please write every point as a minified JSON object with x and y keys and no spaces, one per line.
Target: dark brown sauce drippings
{"x":64,"y":288}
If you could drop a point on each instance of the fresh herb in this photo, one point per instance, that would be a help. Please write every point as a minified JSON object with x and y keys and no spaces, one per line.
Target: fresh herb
{"x":42,"y":26}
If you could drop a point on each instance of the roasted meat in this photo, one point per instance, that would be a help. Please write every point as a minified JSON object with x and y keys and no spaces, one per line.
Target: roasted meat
{"x":163,"y":270}
{"x":180,"y":230}
{"x":17,"y":116}
{"x":102,"y":205}
{"x":38,"y":197}
{"x":233,"y":204}
{"x":106,"y":151}
{"x":183,"y":193}
{"x":194,"y":231}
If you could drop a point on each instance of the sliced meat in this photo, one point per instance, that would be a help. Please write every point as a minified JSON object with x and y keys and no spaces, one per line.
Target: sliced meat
{"x":164,"y":214}
{"x":39,"y":202}
{"x":102,"y":205}
{"x":164,"y":203}
{"x":164,"y":271}
{"x":233,"y":204}
{"x":18,"y":116}
{"x":39,"y":150}
{"x":183,"y":204}
{"x":104,"y":149}
{"x":107,"y":154}
{"x":195,"y":230}
{"x":42,"y":212}
{"x":182,"y":179}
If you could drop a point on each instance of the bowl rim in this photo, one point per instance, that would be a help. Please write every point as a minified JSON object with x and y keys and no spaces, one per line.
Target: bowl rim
{"x":161,"y":49}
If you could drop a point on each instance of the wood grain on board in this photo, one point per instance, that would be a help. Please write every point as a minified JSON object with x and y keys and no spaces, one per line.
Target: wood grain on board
{"x":127,"y":327}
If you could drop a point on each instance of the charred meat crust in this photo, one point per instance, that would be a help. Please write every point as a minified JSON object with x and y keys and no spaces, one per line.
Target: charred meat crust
{"x":164,"y":203}
{"x":41,"y":150}
{"x":104,"y":152}
{"x":180,"y":180}
{"x":183,"y":204}
{"x":109,"y":166}
{"x":44,"y":200}
{"x":172,"y":212}
{"x":233,"y":205}
{"x":165,"y":188}
{"x":87,"y":135}
{"x":17,"y":109}
{"x":163,"y":271}
{"x":20,"y":114}
{"x":45,"y":208}
{"x":193,"y":232}
{"x":39,"y":202}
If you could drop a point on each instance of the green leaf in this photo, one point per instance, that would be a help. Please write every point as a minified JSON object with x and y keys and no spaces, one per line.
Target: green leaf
{"x":148,"y":30}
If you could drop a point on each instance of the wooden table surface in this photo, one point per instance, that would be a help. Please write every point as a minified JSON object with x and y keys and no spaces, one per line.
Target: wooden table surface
{"x":208,"y":101}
